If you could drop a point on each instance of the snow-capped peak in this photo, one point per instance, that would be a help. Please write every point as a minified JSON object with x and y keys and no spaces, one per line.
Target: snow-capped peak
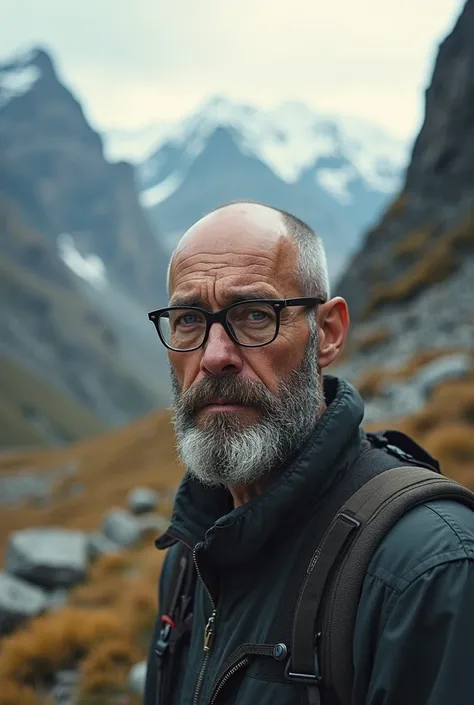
{"x":17,"y":77}
{"x":290,"y":138}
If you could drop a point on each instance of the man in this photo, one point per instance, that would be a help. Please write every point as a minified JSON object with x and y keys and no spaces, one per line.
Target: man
{"x":266,"y":440}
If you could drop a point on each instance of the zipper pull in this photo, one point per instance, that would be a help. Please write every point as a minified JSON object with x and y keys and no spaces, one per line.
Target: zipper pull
{"x":209,"y":632}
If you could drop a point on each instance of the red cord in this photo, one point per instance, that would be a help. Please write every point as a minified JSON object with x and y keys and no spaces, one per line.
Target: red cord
{"x":168,"y":620}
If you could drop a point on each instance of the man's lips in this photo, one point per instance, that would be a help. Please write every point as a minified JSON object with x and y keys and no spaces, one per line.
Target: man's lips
{"x":221,"y":405}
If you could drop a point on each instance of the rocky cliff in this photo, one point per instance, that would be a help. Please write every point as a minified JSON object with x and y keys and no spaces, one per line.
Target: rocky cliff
{"x":410,"y":287}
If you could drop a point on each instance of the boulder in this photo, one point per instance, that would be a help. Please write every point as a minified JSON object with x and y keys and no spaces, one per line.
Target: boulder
{"x":50,"y":558}
{"x":153,"y":524}
{"x":64,"y":690}
{"x":137,"y":677}
{"x":142,"y":500}
{"x":399,"y":399}
{"x":29,"y":485}
{"x":100,"y":545}
{"x":443,"y":369}
{"x":122,"y":528}
{"x":17,"y":488}
{"x":18,"y":601}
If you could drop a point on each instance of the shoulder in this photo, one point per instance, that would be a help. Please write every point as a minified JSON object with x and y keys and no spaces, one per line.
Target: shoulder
{"x":173,"y":554}
{"x":433,"y":534}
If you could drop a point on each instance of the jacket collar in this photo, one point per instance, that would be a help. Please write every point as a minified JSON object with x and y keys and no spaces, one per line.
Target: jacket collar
{"x":206,"y":516}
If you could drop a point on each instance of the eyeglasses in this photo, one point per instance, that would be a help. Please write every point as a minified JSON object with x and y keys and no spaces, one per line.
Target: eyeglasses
{"x":251,"y":323}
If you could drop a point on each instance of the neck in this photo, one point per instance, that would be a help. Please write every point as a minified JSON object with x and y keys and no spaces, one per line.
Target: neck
{"x":242,"y":495}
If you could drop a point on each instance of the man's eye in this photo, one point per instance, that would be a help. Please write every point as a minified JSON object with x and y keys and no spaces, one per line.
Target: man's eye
{"x":187,"y":319}
{"x":257,"y":315}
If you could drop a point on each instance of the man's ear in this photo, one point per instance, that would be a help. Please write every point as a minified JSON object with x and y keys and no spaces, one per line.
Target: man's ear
{"x":333,"y":324}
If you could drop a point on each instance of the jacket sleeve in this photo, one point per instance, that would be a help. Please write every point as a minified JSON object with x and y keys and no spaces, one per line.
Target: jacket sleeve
{"x":421,"y":645}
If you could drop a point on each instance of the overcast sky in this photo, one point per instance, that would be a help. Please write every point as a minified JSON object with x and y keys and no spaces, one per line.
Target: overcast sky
{"x":132,"y":63}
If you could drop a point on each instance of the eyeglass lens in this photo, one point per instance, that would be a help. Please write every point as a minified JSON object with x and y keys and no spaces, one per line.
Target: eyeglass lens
{"x":252,"y":324}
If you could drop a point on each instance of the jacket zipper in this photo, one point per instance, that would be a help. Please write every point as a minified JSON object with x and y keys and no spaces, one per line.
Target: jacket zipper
{"x":209,"y":635}
{"x":240,"y":658}
{"x":241,"y":664}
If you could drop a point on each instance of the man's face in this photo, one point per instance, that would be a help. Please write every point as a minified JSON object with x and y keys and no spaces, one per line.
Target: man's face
{"x":239,"y":412}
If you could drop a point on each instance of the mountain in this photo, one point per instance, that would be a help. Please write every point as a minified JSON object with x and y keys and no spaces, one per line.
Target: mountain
{"x":335,"y":173}
{"x":80,"y":265}
{"x":410,"y":286}
{"x":53,"y":161}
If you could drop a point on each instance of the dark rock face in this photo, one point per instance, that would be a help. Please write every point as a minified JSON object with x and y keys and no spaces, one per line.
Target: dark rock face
{"x":443,"y":155}
{"x":427,"y":234}
{"x":410,"y":286}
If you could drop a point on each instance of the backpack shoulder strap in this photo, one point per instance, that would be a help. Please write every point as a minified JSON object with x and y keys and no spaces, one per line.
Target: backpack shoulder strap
{"x":328,"y":600}
{"x":176,"y":617}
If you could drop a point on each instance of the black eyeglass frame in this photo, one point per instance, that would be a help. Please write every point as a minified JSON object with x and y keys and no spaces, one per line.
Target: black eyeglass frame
{"x":221,"y":317}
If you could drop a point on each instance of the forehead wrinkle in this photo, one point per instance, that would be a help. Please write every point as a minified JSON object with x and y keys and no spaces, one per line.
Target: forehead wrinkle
{"x":259,"y":262}
{"x":229,"y":253}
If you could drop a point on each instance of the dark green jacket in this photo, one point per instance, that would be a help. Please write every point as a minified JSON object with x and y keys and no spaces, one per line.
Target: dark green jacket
{"x":414,"y":637}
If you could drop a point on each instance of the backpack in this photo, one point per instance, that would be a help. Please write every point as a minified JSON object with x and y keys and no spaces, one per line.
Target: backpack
{"x":324,"y":619}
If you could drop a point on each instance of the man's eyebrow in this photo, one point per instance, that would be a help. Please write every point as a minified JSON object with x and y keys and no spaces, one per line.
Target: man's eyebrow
{"x":231,"y":298}
{"x":186,"y":300}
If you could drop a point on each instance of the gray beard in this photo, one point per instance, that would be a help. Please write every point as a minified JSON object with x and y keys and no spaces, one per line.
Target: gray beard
{"x":224,"y":451}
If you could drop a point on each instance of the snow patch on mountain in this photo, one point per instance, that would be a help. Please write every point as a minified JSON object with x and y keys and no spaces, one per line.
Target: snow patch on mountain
{"x":15,"y":80}
{"x":90,"y":268}
{"x":336,"y":182}
{"x":158,"y":193}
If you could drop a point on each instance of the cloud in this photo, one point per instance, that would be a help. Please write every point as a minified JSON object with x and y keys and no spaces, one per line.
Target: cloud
{"x":134,"y":63}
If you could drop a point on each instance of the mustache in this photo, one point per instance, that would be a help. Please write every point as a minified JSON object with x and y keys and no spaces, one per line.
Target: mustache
{"x":231,"y":389}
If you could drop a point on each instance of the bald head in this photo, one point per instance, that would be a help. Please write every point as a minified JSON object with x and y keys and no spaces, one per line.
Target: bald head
{"x":261,"y":227}
{"x":243,"y":219}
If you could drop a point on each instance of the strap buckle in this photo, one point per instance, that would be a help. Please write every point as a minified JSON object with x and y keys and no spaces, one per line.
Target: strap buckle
{"x":350,"y":519}
{"x":306,"y":678}
{"x":163,"y":639}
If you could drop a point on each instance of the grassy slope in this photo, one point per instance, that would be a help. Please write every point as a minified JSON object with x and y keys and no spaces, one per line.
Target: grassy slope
{"x":19,"y":391}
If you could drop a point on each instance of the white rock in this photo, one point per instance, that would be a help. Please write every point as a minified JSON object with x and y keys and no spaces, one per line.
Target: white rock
{"x":153,"y":523}
{"x":24,"y":486}
{"x":443,"y":369}
{"x":51,"y":558}
{"x":137,"y":678}
{"x":19,"y":601}
{"x":142,"y":500}
{"x":100,"y":545}
{"x":122,"y":528}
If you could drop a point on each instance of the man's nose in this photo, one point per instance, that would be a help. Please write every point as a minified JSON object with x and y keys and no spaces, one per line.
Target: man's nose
{"x":220,"y":354}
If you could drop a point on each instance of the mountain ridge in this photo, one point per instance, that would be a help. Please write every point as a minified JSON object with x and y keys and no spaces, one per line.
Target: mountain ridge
{"x":56,"y":185}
